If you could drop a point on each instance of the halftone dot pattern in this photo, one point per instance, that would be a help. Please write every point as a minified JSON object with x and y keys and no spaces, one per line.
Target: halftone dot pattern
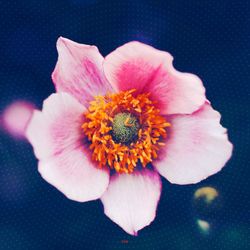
{"x":208,"y":38}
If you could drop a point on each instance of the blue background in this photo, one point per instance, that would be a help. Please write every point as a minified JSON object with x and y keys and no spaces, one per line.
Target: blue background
{"x":208,"y":38}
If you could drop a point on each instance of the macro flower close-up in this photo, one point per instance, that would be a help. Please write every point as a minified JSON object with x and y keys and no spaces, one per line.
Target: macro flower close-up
{"x":116,"y":124}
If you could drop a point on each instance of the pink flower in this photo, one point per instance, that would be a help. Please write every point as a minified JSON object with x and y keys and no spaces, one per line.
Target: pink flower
{"x":16,"y":117}
{"x":118,"y":122}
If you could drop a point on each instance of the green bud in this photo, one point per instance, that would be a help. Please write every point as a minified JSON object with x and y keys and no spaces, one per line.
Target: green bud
{"x":125,"y":128}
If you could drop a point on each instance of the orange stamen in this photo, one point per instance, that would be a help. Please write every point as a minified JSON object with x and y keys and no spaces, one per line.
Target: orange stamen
{"x":97,"y":127}
{"x":127,"y":124}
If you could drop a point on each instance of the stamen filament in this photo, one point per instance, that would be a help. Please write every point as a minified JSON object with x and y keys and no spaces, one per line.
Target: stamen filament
{"x":121,"y":146}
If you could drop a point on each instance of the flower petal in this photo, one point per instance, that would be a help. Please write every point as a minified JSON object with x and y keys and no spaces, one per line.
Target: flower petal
{"x":141,"y":67}
{"x":197,"y":148}
{"x":57,"y":139}
{"x":73,"y":174}
{"x":57,"y":127}
{"x":79,"y":71}
{"x":131,"y":199}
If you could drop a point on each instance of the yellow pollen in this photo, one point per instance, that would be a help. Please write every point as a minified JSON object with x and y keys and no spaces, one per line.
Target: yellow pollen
{"x":137,"y":109}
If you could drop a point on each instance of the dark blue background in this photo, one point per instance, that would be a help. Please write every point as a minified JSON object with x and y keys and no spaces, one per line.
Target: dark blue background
{"x":208,"y":38}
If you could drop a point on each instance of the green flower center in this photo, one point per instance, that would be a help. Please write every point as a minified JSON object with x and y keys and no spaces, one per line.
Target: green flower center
{"x":125,"y":128}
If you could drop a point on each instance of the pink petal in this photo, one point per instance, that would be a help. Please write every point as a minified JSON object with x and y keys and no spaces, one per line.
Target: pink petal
{"x":79,"y":71}
{"x":57,"y":127}
{"x":197,"y":148}
{"x":131,"y":199}
{"x":57,"y":139}
{"x":141,"y":67}
{"x":73,"y":174}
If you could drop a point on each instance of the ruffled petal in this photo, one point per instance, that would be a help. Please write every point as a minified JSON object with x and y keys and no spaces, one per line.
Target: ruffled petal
{"x":57,"y":127}
{"x":79,"y":71}
{"x":73,"y":173}
{"x":141,"y":67}
{"x":57,"y":139}
{"x":197,"y":148}
{"x":131,"y":199}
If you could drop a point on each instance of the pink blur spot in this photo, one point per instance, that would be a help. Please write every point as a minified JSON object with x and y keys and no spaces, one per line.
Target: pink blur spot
{"x":16,"y":117}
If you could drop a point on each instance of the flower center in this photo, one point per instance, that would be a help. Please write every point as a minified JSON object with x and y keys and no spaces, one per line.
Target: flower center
{"x":124,"y":130}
